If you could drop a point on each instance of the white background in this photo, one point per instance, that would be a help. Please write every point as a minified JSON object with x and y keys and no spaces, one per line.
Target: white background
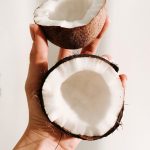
{"x":127,"y":40}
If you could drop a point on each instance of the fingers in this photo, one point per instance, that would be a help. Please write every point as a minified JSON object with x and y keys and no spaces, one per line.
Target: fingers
{"x":123,"y":79}
{"x":38,"y":60}
{"x":64,"y":53}
{"x":39,"y":51}
{"x":92,"y":47}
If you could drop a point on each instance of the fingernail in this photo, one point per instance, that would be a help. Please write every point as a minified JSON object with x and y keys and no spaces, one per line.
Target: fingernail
{"x":32,"y":31}
{"x":109,"y":20}
{"x":107,"y":57}
{"x":125,"y":76}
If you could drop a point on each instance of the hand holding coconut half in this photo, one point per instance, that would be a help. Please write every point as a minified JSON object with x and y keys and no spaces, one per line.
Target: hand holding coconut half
{"x":41,"y":133}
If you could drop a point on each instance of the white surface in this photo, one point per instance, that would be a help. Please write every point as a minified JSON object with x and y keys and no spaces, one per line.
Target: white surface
{"x":127,"y":40}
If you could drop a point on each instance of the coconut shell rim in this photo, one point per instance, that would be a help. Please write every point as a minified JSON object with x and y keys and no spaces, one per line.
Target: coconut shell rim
{"x":101,"y":8}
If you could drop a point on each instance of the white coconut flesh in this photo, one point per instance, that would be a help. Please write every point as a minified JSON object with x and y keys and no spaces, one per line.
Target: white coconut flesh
{"x":67,"y":13}
{"x":84,"y":96}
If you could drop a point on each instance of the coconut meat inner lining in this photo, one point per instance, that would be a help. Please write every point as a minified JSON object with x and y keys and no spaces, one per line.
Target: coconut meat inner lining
{"x":67,"y":13}
{"x":83,"y":98}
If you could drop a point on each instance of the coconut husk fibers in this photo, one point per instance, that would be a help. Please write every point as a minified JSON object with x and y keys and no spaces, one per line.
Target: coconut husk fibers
{"x":77,"y":37}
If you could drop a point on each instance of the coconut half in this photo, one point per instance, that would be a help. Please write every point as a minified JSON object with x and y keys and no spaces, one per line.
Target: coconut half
{"x":83,"y":96}
{"x":71,"y":24}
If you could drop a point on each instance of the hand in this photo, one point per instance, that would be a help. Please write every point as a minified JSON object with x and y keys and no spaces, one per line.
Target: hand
{"x":40,"y":133}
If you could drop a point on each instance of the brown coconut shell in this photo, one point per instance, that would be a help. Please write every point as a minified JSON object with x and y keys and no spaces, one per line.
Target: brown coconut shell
{"x":77,"y":37}
{"x":84,"y":137}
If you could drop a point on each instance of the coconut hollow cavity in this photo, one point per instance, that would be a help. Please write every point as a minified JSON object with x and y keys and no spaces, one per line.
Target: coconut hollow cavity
{"x":83,"y":96}
{"x":67,"y":13}
{"x":71,"y":24}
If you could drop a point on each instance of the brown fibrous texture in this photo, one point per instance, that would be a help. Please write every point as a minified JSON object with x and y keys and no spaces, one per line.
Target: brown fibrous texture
{"x":77,"y":37}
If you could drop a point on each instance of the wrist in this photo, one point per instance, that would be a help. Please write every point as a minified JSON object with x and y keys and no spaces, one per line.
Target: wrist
{"x":33,"y":139}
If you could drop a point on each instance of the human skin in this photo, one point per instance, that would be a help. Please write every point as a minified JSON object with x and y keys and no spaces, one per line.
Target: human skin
{"x":40,"y":134}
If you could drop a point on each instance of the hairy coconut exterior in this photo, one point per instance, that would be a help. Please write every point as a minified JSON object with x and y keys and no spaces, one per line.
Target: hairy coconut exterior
{"x":77,"y":37}
{"x":83,"y":137}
